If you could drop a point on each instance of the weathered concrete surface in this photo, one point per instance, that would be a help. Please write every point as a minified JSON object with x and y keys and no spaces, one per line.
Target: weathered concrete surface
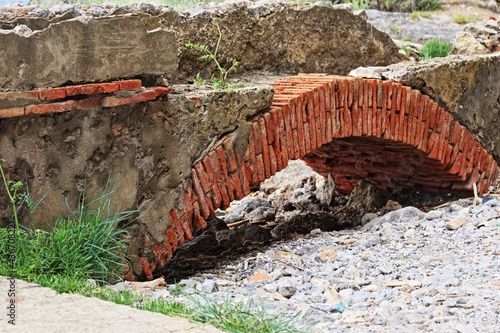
{"x":289,"y":38}
{"x":40,"y":309}
{"x":468,"y":87}
{"x":84,"y":50}
{"x":148,"y":149}
{"x":49,"y":51}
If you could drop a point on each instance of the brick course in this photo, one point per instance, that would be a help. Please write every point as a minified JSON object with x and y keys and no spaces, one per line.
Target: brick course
{"x":61,"y":99}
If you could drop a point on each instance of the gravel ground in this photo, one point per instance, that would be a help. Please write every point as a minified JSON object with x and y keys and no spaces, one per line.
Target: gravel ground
{"x":403,"y":271}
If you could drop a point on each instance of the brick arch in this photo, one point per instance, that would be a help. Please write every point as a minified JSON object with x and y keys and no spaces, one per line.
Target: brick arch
{"x":354,"y":128}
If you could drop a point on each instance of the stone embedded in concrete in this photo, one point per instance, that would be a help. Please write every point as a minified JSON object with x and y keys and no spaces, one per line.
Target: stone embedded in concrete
{"x":466,"y":43}
{"x":84,"y":50}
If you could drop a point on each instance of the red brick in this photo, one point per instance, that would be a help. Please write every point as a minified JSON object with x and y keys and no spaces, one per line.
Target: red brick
{"x":276,"y":145}
{"x":422,"y":111}
{"x":88,"y":103}
{"x":351,"y":92}
{"x":147,"y":270}
{"x":327,"y":94}
{"x":447,"y":121}
{"x":52,"y":94}
{"x":265,"y":147}
{"x":299,"y":112}
{"x":404,"y":115}
{"x":186,"y":224}
{"x":317,"y":102}
{"x":202,"y":176}
{"x":296,"y":140}
{"x":245,"y":179}
{"x":356,"y":89}
{"x":273,"y":161}
{"x":16,"y":111}
{"x":198,"y":220}
{"x":322,"y":116}
{"x":453,"y":157}
{"x":329,"y":131}
{"x":84,"y":89}
{"x":252,"y":164}
{"x":108,"y":88}
{"x":177,"y":226}
{"x":387,"y":94}
{"x":342,"y":93}
{"x":160,"y":91}
{"x":167,"y":248}
{"x":260,"y":168}
{"x":433,"y":145}
{"x":394,"y":117}
{"x":225,"y":173}
{"x":113,"y":101}
{"x":291,"y":106}
{"x":219,"y":179}
{"x":347,"y":123}
{"x":129,"y":84}
{"x":200,"y":194}
{"x":467,"y":142}
{"x":159,"y":254}
{"x":286,"y":111}
{"x":237,"y":186}
{"x":216,"y":195}
{"x":257,"y":138}
{"x":336,"y":123}
{"x":24,"y":96}
{"x":370,"y":93}
{"x":172,"y":238}
{"x":50,"y":108}
{"x":307,"y":139}
{"x":397,"y":100}
{"x":270,"y":130}
{"x":282,"y":139}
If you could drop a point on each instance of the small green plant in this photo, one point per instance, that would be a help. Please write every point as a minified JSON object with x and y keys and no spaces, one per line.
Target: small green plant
{"x":219,"y":81}
{"x":463,"y":19}
{"x":435,"y":48}
{"x":198,"y":80}
{"x":407,"y":39}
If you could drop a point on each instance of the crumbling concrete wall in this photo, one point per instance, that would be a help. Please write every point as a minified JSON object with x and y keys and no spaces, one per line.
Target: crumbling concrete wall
{"x":147,"y":149}
{"x":79,"y":47}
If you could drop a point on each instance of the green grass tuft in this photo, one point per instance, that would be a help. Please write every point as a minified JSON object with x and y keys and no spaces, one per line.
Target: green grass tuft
{"x":435,"y":48}
{"x":417,"y":15}
{"x":463,"y":19}
{"x":87,"y":245}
